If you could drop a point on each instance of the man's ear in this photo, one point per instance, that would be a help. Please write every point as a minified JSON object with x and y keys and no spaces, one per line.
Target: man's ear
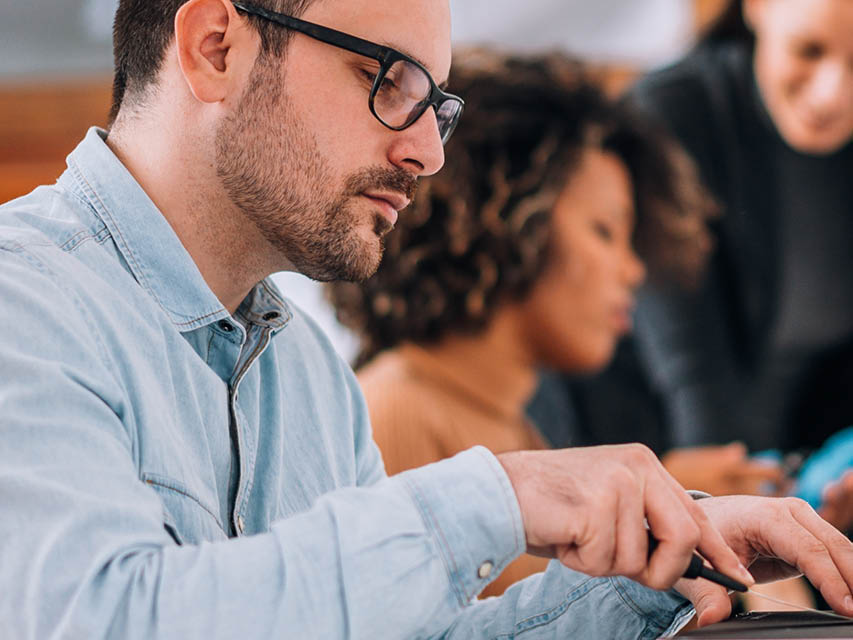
{"x":215,"y":48}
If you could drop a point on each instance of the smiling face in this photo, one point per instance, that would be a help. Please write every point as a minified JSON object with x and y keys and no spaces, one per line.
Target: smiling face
{"x":582,"y":303}
{"x":304,"y":159}
{"x":804,"y":67}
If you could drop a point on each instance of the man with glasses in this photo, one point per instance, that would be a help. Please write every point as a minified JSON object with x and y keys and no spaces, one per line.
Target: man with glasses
{"x":182,"y":455}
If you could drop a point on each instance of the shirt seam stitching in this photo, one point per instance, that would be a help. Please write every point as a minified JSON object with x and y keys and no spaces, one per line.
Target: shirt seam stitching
{"x":43,"y":268}
{"x":130,"y":256}
{"x":172,"y":485}
{"x":651,"y":617}
{"x":554,"y":613}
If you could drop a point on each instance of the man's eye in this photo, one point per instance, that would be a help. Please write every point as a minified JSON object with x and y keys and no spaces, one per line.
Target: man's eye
{"x":370,"y":76}
{"x":388,"y":83}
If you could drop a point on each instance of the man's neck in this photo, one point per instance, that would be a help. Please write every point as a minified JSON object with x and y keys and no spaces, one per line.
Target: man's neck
{"x":177,"y":170}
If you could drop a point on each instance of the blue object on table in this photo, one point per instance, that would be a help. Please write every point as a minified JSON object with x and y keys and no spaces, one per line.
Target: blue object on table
{"x":824,"y":466}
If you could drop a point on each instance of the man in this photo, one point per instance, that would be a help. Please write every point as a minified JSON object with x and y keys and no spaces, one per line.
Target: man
{"x":182,"y":455}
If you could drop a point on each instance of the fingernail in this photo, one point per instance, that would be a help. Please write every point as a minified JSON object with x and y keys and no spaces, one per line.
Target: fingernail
{"x":848,"y":603}
{"x":744,"y":572}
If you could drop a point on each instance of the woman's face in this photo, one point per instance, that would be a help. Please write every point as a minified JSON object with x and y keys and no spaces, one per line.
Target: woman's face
{"x":804,"y":66}
{"x":582,"y":303}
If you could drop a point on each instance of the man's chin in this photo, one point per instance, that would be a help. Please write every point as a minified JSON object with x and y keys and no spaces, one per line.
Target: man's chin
{"x":368,"y":267}
{"x":353,"y":268}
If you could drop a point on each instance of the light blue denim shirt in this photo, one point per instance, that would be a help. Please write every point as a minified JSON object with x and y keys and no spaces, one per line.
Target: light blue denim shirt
{"x":168,"y":470}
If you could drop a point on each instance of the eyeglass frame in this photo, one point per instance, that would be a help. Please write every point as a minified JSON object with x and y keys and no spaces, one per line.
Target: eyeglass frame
{"x":385,"y":56}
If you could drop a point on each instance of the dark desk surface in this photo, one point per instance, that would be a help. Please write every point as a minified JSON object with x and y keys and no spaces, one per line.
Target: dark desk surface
{"x":776,"y":624}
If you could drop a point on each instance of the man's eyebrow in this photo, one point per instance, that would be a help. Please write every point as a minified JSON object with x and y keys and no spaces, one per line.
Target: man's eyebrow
{"x":405,"y":52}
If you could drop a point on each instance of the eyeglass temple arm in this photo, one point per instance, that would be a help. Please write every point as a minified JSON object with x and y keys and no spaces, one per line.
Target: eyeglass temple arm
{"x":321,"y":33}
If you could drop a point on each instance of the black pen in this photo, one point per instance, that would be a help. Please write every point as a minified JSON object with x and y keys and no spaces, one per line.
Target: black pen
{"x":697,"y":569}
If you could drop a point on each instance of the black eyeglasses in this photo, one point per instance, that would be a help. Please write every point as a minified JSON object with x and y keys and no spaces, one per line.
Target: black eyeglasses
{"x":402,"y":89}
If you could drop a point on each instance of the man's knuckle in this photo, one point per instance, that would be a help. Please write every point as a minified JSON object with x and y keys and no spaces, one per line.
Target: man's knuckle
{"x":797,"y":505}
{"x":621,"y":475}
{"x":613,"y":481}
{"x":640,"y":452}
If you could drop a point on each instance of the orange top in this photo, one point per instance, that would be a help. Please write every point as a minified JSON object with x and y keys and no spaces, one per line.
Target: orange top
{"x":425,"y":408}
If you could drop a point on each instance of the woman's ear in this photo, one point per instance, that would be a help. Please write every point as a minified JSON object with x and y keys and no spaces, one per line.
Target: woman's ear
{"x":214,"y":46}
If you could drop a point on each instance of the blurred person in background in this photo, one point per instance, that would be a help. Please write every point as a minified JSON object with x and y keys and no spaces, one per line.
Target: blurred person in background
{"x":519,"y":254}
{"x":762,"y":352}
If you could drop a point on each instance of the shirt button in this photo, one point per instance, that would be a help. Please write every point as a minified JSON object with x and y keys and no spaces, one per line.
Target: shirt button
{"x":485,"y":570}
{"x":272,"y":315}
{"x":241,"y":525}
{"x":226,"y":326}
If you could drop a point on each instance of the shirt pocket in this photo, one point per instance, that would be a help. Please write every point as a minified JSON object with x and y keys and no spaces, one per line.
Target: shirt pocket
{"x":187,"y":517}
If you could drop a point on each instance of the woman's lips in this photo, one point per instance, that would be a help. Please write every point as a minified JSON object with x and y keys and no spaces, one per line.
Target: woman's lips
{"x":623,"y":319}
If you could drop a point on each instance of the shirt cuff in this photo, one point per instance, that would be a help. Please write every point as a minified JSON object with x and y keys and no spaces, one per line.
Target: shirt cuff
{"x":665,"y":612}
{"x":469,"y":506}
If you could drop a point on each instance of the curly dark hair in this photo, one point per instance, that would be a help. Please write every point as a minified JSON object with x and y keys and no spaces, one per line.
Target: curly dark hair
{"x":478,"y":232}
{"x":144,"y":29}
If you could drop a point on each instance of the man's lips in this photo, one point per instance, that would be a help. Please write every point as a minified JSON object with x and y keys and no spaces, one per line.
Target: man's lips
{"x":388,"y":203}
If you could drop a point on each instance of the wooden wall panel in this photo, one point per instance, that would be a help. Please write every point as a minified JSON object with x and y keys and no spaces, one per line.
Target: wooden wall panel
{"x":40,"y":124}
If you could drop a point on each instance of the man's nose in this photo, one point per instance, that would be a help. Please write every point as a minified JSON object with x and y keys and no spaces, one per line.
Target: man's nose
{"x":418,"y":148}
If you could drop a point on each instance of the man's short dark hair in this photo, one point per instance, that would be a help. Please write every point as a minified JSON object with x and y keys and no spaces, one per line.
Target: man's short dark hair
{"x":478,"y":233}
{"x":144,"y":29}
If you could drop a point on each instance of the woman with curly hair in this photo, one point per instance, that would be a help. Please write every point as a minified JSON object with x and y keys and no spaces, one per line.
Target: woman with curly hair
{"x":519,"y":254}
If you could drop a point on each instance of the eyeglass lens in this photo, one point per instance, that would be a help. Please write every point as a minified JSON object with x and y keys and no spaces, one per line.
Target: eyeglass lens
{"x":402,"y":98}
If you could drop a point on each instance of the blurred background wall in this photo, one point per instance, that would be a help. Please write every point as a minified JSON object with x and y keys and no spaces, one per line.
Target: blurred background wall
{"x":56,"y":61}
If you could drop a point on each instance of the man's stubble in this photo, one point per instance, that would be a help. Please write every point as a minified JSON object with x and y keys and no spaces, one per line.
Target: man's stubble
{"x":273,"y":171}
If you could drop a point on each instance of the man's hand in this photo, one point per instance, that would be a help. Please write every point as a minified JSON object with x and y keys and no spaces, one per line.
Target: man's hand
{"x":777,"y":538}
{"x":587,"y":507}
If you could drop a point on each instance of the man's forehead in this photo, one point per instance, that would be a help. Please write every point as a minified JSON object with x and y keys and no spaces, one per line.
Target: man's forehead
{"x":418,"y":28}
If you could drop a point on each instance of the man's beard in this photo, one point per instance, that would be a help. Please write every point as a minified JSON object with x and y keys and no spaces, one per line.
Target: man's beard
{"x":272,"y":170}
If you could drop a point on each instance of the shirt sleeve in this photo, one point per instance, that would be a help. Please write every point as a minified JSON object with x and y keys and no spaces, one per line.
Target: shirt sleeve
{"x":561,"y":603}
{"x":85,"y":553}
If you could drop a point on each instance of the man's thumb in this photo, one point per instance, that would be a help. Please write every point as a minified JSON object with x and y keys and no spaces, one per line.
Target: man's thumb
{"x":711,"y":601}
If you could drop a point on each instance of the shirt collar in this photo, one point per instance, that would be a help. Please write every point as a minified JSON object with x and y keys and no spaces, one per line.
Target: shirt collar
{"x":152,"y":251}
